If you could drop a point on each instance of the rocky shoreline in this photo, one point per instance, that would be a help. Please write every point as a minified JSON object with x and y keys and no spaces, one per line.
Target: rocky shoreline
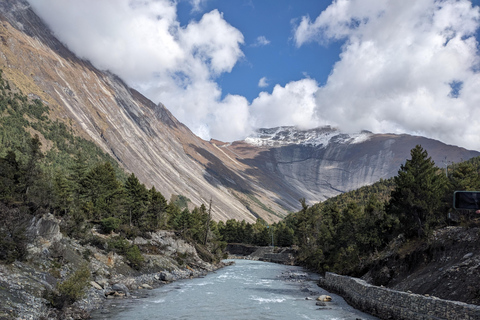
{"x":53,"y":257}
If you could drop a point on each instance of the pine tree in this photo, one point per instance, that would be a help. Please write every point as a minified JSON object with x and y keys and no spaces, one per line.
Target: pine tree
{"x":418,"y":193}
{"x":9,"y":177}
{"x":136,"y":199}
{"x":465,"y":177}
{"x":156,"y":212}
{"x":31,"y":170}
{"x":102,"y":191}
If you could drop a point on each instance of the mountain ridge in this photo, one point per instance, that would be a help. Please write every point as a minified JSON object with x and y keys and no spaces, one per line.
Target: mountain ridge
{"x":244,"y":181}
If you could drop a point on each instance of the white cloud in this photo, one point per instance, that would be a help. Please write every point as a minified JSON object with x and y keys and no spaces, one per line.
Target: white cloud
{"x":143,"y":43}
{"x":197,"y":5}
{"x":395,"y":73}
{"x":263,"y":82}
{"x":397,"y":66}
{"x":261,"y":41}
{"x":293,"y":104}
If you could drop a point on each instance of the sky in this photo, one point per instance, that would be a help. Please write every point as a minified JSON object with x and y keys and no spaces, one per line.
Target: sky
{"x":226,"y":68}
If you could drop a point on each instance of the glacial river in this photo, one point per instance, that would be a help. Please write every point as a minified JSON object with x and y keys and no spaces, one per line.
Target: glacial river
{"x":245,"y":290}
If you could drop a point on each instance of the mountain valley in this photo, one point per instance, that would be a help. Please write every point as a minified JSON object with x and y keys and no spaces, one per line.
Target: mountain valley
{"x":263,"y":176}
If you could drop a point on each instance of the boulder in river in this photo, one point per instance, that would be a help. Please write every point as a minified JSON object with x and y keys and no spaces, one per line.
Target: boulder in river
{"x":324,"y":298}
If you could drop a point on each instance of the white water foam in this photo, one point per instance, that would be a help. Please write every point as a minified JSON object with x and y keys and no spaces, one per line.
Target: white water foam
{"x":267,"y":300}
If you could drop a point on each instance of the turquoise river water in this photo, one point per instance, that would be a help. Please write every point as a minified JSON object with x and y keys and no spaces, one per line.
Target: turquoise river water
{"x":245,"y":290}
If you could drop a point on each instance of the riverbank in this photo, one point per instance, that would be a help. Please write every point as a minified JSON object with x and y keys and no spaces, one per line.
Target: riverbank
{"x":26,"y":287}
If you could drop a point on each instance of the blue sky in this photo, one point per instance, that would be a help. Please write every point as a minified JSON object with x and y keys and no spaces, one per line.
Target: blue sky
{"x":225,"y":68}
{"x":279,"y":61}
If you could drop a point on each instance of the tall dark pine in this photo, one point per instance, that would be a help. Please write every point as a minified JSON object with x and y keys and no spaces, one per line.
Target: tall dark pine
{"x":136,"y":199}
{"x":417,"y":197}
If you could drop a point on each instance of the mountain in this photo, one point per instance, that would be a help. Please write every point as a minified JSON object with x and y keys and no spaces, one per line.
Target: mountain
{"x":144,"y":137}
{"x":263,"y":176}
{"x":320,"y":163}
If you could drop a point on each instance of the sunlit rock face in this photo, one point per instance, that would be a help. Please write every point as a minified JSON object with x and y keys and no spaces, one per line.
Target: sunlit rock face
{"x":263,"y":176}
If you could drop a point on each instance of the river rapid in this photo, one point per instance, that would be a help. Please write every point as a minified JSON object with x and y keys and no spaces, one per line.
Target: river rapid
{"x":246,"y":290}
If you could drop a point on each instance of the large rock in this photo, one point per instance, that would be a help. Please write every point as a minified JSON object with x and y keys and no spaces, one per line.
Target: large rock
{"x":324,"y":298}
{"x":166,"y":276}
{"x":46,"y":227}
{"x":121,"y":288}
{"x":43,"y":232}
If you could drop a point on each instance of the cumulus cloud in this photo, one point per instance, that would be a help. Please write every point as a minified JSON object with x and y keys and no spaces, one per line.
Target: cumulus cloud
{"x":404,"y":67}
{"x":293,"y":105}
{"x":261,"y":41}
{"x":144,"y":43}
{"x":263,"y":82}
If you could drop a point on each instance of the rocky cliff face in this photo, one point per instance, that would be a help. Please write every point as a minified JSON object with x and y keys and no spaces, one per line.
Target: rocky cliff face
{"x":263,"y":176}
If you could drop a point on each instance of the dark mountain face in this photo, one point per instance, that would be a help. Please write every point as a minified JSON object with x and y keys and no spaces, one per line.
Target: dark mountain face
{"x":263,"y":176}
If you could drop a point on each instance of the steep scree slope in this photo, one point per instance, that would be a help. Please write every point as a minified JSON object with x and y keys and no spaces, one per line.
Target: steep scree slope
{"x":144,"y":137}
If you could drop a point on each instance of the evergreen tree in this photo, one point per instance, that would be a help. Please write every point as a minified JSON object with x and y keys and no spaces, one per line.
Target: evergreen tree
{"x":376,"y":226}
{"x":102,"y":192}
{"x":9,"y":177}
{"x":31,"y":169}
{"x":418,"y":193}
{"x":136,"y":199}
{"x":465,"y":177}
{"x":63,"y":193}
{"x":156,"y":211}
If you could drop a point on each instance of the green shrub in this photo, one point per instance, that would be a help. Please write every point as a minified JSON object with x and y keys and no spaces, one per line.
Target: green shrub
{"x":130,"y":251}
{"x":110,"y":224}
{"x":71,"y":289}
{"x":118,"y":244}
{"x":94,"y":241}
{"x":128,"y":231}
{"x":134,"y":257}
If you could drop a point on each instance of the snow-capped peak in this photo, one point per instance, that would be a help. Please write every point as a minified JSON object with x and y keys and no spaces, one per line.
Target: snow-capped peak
{"x":283,"y":136}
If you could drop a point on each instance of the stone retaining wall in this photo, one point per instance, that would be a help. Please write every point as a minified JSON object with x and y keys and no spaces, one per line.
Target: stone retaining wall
{"x":390,"y":304}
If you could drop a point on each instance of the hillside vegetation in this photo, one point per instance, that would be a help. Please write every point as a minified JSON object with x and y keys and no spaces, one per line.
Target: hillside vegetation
{"x":45,"y":168}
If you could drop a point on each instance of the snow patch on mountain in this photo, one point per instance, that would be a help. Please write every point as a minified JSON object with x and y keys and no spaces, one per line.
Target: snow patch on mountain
{"x":318,"y":137}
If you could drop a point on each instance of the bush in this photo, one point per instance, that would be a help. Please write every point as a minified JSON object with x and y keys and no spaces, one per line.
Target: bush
{"x":71,"y":289}
{"x":128,"y":232}
{"x":130,"y":252}
{"x":134,"y":257}
{"x":94,"y":241}
{"x":110,"y":224}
